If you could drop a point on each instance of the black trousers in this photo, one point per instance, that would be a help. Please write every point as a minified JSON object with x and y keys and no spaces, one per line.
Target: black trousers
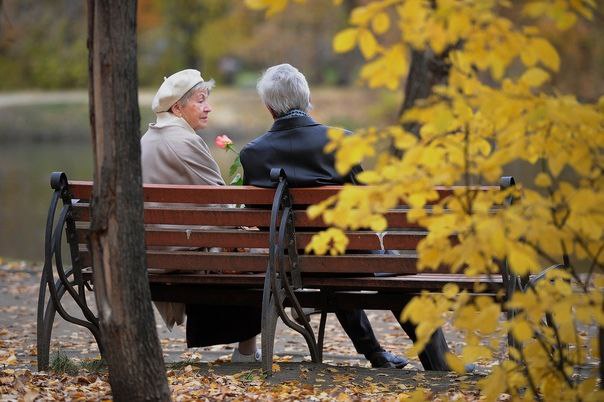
{"x":215,"y":325}
{"x":356,"y":325}
{"x":358,"y":328}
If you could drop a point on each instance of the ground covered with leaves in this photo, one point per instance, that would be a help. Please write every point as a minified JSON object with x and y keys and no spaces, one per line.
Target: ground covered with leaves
{"x":77,"y":374}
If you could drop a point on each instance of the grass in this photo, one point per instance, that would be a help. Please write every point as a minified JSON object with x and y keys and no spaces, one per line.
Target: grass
{"x":182,"y":364}
{"x":60,"y":363}
{"x":94,"y":366}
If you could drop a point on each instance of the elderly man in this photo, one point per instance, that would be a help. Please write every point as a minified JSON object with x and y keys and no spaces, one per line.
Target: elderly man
{"x":173,"y":153}
{"x":295,"y":143}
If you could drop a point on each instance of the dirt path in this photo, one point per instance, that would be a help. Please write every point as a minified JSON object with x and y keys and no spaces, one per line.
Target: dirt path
{"x":19,"y":283}
{"x":344,"y":373}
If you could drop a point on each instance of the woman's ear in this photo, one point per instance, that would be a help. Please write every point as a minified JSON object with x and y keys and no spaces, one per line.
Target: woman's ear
{"x":175,"y":109}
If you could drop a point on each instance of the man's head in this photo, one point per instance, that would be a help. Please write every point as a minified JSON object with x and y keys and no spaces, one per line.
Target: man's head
{"x":283,"y":88}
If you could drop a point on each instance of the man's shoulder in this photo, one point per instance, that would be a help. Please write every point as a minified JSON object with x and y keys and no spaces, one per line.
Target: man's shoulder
{"x":255,"y":143}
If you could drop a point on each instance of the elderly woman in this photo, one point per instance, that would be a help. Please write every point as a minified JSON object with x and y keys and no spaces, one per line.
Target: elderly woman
{"x":173,"y":153}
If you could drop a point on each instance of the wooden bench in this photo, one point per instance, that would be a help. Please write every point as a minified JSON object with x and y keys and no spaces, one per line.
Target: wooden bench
{"x":182,"y":270}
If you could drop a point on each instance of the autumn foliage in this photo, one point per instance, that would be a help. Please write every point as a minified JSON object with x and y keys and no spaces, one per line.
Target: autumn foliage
{"x":496,"y":109}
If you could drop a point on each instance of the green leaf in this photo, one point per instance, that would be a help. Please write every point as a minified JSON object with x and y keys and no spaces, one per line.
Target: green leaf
{"x":234,"y":166}
{"x":237,"y":180}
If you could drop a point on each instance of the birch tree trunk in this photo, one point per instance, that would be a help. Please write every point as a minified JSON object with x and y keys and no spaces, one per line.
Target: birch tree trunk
{"x":129,"y":336}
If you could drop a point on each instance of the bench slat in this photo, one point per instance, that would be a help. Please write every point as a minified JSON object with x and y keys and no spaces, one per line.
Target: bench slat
{"x":233,"y":194}
{"x":417,"y":282}
{"x":404,"y":240}
{"x":233,"y":217}
{"x":242,"y":262}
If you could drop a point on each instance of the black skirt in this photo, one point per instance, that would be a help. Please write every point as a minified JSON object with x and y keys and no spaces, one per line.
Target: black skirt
{"x":216,"y":325}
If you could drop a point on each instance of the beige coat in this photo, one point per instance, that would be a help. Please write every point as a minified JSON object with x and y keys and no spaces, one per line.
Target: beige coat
{"x":172,"y":153}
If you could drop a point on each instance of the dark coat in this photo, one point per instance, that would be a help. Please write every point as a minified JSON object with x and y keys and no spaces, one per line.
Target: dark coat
{"x":296,"y":145}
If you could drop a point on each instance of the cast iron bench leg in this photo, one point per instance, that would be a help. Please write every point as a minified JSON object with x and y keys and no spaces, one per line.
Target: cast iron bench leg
{"x":269,"y":325}
{"x":46,"y":317}
{"x":321,"y":335}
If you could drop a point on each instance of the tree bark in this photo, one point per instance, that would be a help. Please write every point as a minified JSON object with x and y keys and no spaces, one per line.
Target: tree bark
{"x":129,"y":336}
{"x":426,"y":71}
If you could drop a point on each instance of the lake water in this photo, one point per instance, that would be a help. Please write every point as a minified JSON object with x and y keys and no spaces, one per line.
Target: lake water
{"x":25,"y":191}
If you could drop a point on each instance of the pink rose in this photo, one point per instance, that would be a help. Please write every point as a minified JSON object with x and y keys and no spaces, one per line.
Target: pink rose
{"x":222,"y":141}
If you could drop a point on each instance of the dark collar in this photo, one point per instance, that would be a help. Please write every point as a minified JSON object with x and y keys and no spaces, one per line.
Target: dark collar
{"x":294,"y":122}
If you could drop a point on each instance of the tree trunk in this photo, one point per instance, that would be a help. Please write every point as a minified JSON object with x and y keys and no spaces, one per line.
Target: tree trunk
{"x":426,"y":71}
{"x":129,"y":336}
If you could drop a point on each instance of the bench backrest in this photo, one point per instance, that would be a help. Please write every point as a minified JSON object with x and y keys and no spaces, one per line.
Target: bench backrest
{"x":182,"y":224}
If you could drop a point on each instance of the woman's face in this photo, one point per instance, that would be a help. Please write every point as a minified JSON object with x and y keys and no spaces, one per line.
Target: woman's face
{"x":196,"y":110}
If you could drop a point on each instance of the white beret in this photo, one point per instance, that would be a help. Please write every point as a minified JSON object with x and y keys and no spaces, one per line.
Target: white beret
{"x":174,"y":87}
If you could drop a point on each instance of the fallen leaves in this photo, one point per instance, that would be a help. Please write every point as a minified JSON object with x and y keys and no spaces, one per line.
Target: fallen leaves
{"x":22,"y":384}
{"x":9,"y":360}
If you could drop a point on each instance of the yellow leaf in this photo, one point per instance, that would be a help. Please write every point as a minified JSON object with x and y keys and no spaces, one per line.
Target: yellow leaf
{"x":345,"y":40}
{"x":450,"y":290}
{"x":521,"y":330}
{"x":335,"y":133}
{"x":587,"y":387}
{"x":528,"y":56}
{"x":380,"y":23}
{"x":256,"y":4}
{"x":522,"y":258}
{"x":535,"y":9}
{"x":565,"y":21}
{"x":272,"y":6}
{"x":276,"y":368}
{"x":455,"y":363}
{"x":543,"y":180}
{"x":555,"y":163}
{"x":378,"y":223}
{"x":488,"y":319}
{"x":546,"y":53}
{"x":367,"y":44}
{"x":314,"y":211}
{"x":459,"y":24}
{"x":473,"y":353}
{"x":534,"y":77}
{"x":360,"y":15}
{"x":495,"y":384}
{"x":369,"y":177}
{"x":404,"y":140}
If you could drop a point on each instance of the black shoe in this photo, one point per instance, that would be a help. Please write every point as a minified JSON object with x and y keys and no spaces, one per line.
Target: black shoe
{"x":383,"y":359}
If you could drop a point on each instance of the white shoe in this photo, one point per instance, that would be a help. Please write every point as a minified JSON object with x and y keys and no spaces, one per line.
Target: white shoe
{"x":237,"y":357}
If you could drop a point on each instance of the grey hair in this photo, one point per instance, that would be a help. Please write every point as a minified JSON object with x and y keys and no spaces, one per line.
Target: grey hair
{"x":283,"y":88}
{"x":200,"y":86}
